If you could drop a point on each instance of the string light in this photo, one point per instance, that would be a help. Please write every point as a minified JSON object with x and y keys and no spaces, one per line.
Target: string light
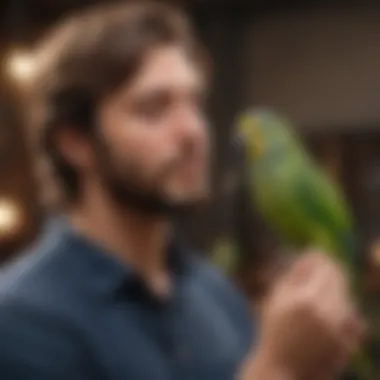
{"x":375,"y":254}
{"x":10,"y":217}
{"x":20,"y":66}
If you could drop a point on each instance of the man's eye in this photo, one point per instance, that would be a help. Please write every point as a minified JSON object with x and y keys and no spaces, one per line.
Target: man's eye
{"x":152,"y":108}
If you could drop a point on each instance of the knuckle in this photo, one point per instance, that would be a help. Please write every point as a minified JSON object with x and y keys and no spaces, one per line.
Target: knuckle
{"x":318,"y":314}
{"x":306,"y":304}
{"x":312,"y":254}
{"x":315,"y":256}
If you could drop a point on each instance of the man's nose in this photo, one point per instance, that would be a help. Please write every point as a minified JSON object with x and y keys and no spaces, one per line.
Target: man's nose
{"x":191,"y":125}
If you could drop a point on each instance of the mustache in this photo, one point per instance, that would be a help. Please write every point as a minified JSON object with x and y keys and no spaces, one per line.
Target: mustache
{"x":183,"y":159}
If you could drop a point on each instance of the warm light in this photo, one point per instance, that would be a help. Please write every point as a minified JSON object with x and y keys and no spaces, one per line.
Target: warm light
{"x":20,"y":66}
{"x":375,"y":254}
{"x":10,"y":217}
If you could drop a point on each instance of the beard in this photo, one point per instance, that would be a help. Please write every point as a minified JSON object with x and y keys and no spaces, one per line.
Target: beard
{"x":129,"y":195}
{"x":127,"y":188}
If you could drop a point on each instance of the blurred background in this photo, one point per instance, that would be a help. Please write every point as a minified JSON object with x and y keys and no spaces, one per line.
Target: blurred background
{"x":318,"y":62}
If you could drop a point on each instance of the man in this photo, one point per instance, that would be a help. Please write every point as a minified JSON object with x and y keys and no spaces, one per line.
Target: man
{"x":111,"y":293}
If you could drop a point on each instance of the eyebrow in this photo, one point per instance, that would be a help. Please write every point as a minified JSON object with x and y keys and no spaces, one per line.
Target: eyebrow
{"x":164,"y":90}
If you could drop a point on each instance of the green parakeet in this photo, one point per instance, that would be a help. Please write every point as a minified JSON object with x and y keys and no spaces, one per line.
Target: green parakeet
{"x":298,"y":200}
{"x":296,"y":197}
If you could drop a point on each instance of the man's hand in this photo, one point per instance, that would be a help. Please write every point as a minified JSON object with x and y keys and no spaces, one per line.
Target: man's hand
{"x":310,"y":327}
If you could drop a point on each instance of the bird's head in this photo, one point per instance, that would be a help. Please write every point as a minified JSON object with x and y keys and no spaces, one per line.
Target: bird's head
{"x":263,"y":132}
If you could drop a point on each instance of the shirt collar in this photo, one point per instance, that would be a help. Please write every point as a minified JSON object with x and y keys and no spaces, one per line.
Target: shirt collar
{"x":103,"y":271}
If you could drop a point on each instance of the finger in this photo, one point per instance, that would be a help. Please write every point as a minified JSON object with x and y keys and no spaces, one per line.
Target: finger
{"x":341,"y":363}
{"x":334,"y":365}
{"x":324,"y":260}
{"x":302,"y":269}
{"x":353,"y":331}
{"x":334,"y":292}
{"x":322,"y":282}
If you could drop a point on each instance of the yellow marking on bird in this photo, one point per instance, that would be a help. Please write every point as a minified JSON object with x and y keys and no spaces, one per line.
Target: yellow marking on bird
{"x":259,"y":141}
{"x":251,"y":132}
{"x":256,"y":139}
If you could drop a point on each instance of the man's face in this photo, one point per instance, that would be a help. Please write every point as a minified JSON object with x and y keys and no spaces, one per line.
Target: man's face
{"x":154,"y":146}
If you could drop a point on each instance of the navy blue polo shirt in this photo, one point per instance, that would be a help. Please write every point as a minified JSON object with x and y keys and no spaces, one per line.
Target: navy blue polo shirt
{"x":68,"y":310}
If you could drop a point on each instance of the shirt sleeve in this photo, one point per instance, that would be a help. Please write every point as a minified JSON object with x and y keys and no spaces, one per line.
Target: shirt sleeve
{"x":34,"y":346}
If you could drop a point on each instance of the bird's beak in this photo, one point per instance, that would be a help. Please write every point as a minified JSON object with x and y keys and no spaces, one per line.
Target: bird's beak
{"x":249,"y":134}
